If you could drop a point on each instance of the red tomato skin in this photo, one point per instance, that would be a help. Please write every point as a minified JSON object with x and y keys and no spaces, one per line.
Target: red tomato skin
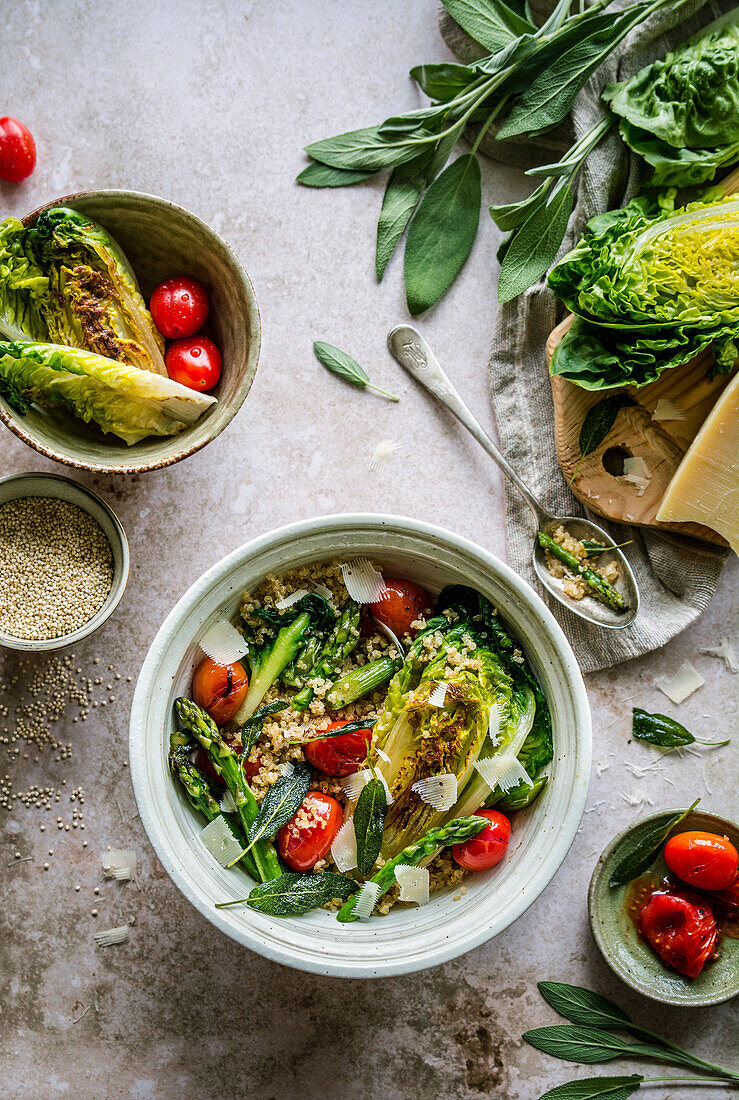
{"x":302,"y":844}
{"x":17,"y":150}
{"x":402,"y":604}
{"x":340,"y":755}
{"x":179,"y":307}
{"x":730,"y":896}
{"x":220,"y":689}
{"x":680,"y":927}
{"x":194,"y":362}
{"x":488,"y":848}
{"x":705,"y":860}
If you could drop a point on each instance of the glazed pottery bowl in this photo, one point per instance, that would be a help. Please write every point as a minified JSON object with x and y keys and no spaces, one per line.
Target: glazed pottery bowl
{"x":61,"y":488}
{"x":160,"y":240}
{"x":615,"y":933}
{"x":406,"y":939}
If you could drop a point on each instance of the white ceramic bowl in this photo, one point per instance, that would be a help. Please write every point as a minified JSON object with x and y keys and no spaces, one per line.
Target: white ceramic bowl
{"x":406,"y":939}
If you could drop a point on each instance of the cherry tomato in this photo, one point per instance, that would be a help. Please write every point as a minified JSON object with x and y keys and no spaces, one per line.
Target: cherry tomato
{"x":401,"y":605}
{"x":488,"y":847}
{"x":220,"y":689}
{"x":179,"y":307}
{"x":17,"y":150}
{"x":308,"y":836}
{"x":194,"y":362}
{"x":681,"y":929}
{"x":339,"y":755}
{"x":705,"y":860}
{"x":729,"y":896}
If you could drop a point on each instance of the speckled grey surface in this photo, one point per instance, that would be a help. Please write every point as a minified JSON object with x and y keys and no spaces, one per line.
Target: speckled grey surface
{"x":208,"y":104}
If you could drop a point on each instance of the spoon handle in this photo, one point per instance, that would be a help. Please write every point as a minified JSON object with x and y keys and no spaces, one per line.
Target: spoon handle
{"x":414,"y":354}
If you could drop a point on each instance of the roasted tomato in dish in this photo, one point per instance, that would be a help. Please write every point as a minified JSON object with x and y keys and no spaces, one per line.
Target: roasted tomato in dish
{"x":340,"y":755}
{"x":730,"y":896}
{"x":705,"y":860}
{"x":402,"y":603}
{"x":194,"y":362}
{"x":179,"y":307}
{"x":488,"y":847}
{"x":308,"y":836}
{"x":220,"y":689}
{"x":17,"y":150}
{"x":680,"y":926}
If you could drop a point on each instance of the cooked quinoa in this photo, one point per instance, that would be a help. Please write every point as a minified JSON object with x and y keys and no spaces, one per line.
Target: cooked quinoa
{"x":572,"y":585}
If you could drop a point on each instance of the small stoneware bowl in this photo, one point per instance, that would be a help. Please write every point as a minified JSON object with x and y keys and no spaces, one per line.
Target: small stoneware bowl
{"x":61,"y":488}
{"x":630,"y":957}
{"x":404,"y":940}
{"x":160,"y":240}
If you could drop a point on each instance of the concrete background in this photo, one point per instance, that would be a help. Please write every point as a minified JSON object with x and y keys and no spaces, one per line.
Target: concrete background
{"x":209,"y":104}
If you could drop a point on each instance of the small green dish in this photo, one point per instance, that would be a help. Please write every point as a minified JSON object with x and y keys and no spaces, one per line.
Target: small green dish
{"x":633,"y":960}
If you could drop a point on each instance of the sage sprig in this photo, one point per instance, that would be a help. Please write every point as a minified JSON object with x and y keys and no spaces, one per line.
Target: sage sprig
{"x":667,"y":733}
{"x":369,"y":822}
{"x":597,"y":424}
{"x":293,"y":894}
{"x":338,"y":362}
{"x":642,"y":852}
{"x":281,"y":802}
{"x":252,"y":728}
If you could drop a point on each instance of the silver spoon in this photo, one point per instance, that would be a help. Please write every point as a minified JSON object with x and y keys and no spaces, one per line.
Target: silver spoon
{"x":414,"y":354}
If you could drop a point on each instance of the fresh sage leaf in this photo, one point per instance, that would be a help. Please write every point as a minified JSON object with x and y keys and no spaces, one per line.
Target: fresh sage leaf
{"x":666,"y":732}
{"x":589,"y":1045}
{"x":595,"y":549}
{"x":643,"y":851}
{"x":510,"y":215}
{"x":444,"y":82}
{"x":252,"y":728}
{"x":599,"y":420}
{"x":533,"y":248}
{"x":590,"y":1088}
{"x":369,"y":822}
{"x":442,"y":233}
{"x":281,"y":802}
{"x":492,"y":24}
{"x":582,"y":1006}
{"x":293,"y":894}
{"x":338,"y":362}
{"x":321,"y":175}
{"x":364,"y":150}
{"x":349,"y":727}
{"x":404,"y":189}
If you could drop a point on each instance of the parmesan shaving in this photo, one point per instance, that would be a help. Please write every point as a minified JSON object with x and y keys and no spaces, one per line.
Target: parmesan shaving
{"x":223,"y":643}
{"x":637,"y":797}
{"x":324,"y":591}
{"x":503,"y":770}
{"x":439,"y":791}
{"x":120,"y":864}
{"x":438,"y":695}
{"x":667,"y":410}
{"x":413,"y":883}
{"x":363,"y":583}
{"x":111,"y":936}
{"x":227,"y":804}
{"x":287,"y":768}
{"x":724,"y":650}
{"x":382,"y":754}
{"x":221,"y":843}
{"x":352,"y":785}
{"x":681,"y":684}
{"x":294,"y":597}
{"x":364,"y":901}
{"x":381,"y":455}
{"x":495,"y":719}
{"x":344,"y":847}
{"x":636,"y":472}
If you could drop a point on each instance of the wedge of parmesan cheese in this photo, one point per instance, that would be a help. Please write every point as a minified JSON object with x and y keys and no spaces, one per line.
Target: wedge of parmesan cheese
{"x":705,"y":488}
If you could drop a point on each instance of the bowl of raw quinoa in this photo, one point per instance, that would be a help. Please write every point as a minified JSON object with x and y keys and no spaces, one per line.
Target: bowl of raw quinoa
{"x":63,"y":562}
{"x":463,"y":910}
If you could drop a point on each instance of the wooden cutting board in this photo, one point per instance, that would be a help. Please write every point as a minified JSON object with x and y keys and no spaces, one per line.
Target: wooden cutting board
{"x":599,"y":482}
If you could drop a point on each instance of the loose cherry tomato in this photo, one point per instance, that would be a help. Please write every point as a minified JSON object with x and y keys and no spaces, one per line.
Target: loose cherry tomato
{"x":681,"y":928}
{"x":488,"y":847}
{"x":179,"y":307}
{"x":308,"y":836}
{"x":705,"y":860}
{"x":220,"y":689}
{"x":194,"y":362}
{"x":401,"y":605}
{"x":17,"y":150}
{"x":339,"y":755}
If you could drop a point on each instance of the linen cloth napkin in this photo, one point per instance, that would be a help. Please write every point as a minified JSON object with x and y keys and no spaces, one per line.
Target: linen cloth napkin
{"x":676,"y":577}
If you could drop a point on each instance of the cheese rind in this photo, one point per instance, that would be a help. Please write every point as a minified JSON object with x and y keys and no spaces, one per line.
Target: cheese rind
{"x":705,"y":488}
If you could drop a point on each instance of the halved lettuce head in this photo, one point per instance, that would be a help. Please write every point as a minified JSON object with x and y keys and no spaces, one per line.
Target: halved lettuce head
{"x":122,"y":400}
{"x":650,"y":287}
{"x":64,"y":280}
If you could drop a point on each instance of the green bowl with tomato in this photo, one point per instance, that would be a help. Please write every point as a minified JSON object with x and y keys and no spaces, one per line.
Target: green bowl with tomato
{"x":624,"y":948}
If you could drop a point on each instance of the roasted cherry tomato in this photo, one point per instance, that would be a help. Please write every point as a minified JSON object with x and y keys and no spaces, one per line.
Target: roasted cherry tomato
{"x":194,"y":362}
{"x":220,"y":689}
{"x":705,"y":860}
{"x":681,"y":928}
{"x":730,"y":896}
{"x":17,"y":150}
{"x":179,"y":307}
{"x":488,"y":847}
{"x":308,"y":836}
{"x":401,"y":605}
{"x":340,"y":755}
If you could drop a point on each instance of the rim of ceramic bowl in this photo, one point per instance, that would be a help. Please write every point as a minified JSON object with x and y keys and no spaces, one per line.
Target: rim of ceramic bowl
{"x":120,"y":568}
{"x":688,"y":998}
{"x":234,"y":405}
{"x":427,"y":937}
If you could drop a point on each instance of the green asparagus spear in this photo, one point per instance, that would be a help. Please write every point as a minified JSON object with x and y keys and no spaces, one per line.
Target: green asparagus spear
{"x":602,"y":590}
{"x":286,"y":645}
{"x":228,"y":766}
{"x":196,"y":786}
{"x":342,"y":640}
{"x":454,"y":832}
{"x":298,"y":671}
{"x":360,"y":681}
